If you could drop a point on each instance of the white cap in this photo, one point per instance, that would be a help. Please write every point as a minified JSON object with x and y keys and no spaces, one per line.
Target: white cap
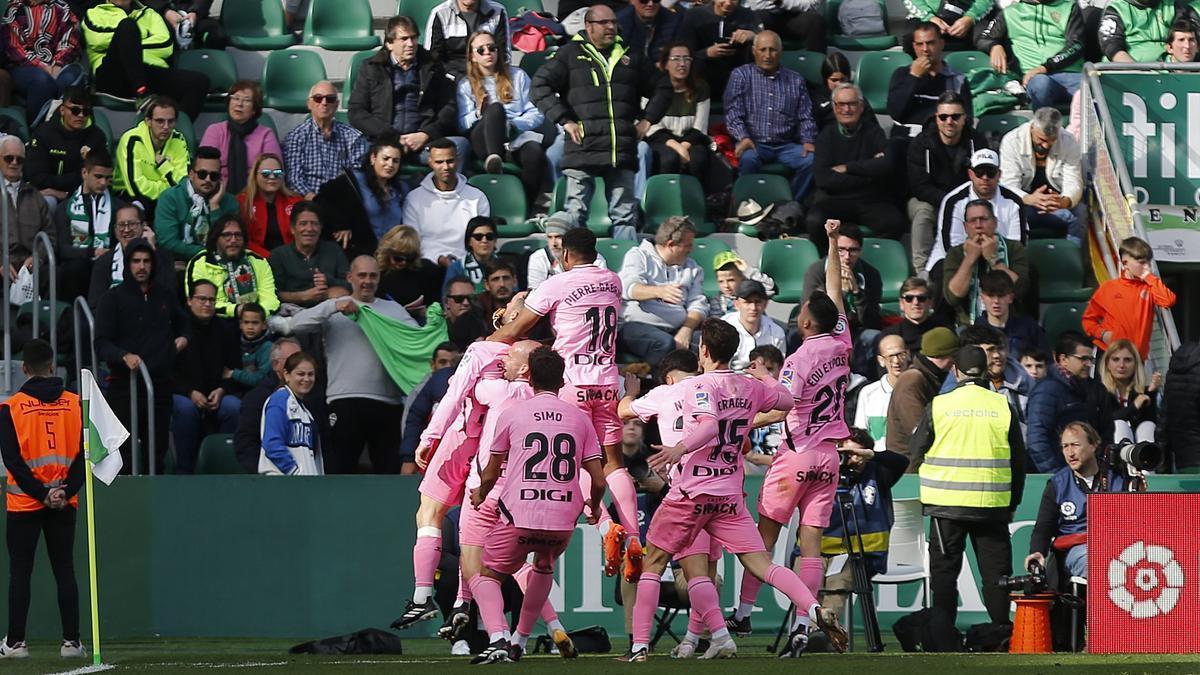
{"x":985,"y":157}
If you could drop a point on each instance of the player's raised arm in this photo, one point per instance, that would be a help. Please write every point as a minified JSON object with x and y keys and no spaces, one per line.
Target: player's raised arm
{"x":833,"y":266}
{"x":783,"y":401}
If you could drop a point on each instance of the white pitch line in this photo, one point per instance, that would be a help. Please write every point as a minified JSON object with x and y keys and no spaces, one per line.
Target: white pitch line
{"x":87,"y":669}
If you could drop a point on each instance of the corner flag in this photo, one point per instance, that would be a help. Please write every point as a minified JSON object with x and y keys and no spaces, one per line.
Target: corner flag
{"x":104,"y":433}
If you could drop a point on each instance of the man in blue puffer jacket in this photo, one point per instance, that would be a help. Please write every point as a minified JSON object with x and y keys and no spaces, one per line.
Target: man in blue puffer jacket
{"x":1067,"y":394}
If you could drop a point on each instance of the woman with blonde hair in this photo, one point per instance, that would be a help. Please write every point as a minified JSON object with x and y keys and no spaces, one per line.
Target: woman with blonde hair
{"x":495,"y":109}
{"x":404,"y":275}
{"x":266,"y":206}
{"x":1136,"y":409}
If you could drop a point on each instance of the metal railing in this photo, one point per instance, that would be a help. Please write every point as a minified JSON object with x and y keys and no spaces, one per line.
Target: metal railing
{"x":133,"y":419}
{"x":4,"y":258}
{"x":81,"y":309}
{"x":42,"y":240}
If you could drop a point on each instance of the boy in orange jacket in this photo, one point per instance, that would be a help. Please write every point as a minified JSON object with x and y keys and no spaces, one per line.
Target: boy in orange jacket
{"x":1122,"y":308}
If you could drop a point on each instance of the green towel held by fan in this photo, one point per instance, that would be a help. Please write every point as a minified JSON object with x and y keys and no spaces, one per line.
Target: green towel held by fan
{"x":988,"y":95}
{"x":404,"y":350}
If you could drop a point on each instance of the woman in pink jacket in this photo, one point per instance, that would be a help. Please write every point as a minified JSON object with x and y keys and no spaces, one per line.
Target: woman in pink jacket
{"x":241,"y":139}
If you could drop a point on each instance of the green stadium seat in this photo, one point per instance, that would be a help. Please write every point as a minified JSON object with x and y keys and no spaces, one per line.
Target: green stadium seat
{"x":806,"y":63}
{"x":110,"y":102}
{"x":763,"y":188}
{"x":1059,"y":270}
{"x":184,"y":125}
{"x":672,"y":194}
{"x":995,"y":126}
{"x":887,"y":256}
{"x":532,"y":61}
{"x":218,"y":65}
{"x":287,"y":77}
{"x":1061,"y":317}
{"x":703,"y":252}
{"x":256,"y":25}
{"x":786,"y":261}
{"x":340,"y":25}
{"x":269,"y":122}
{"x":352,"y":74}
{"x":874,"y":73}
{"x":418,"y":11}
{"x":597,"y":221}
{"x":521,"y":247}
{"x":217,"y":456}
{"x":868,"y":43}
{"x":506,"y":197}
{"x":100,"y":119}
{"x":965,"y":62}
{"x":614,"y":251}
{"x":17,"y":115}
{"x":517,"y":8}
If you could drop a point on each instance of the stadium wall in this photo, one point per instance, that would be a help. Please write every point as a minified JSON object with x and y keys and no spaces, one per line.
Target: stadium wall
{"x":251,"y":556}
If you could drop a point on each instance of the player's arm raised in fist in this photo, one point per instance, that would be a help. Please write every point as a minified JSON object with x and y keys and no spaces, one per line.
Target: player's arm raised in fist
{"x":833,"y":268}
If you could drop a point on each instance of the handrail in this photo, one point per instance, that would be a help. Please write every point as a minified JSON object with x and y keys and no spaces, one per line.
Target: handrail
{"x":133,"y":419}
{"x":81,"y":308}
{"x":40,"y":240}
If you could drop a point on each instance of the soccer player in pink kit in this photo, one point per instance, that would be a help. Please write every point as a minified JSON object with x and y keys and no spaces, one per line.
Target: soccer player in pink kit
{"x":447,"y":446}
{"x":547,"y":444}
{"x":698,"y":561}
{"x":718,"y":410}
{"x":583,"y":304}
{"x":804,"y":474}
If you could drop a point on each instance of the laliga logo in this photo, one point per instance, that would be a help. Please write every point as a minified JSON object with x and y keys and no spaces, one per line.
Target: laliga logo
{"x":1157,"y":578}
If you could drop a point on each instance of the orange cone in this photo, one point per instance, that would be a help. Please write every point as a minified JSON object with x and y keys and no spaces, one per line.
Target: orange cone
{"x":1031,"y":627}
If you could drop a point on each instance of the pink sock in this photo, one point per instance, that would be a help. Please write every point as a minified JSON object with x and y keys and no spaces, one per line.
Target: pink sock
{"x":426,"y":554}
{"x":522,"y":578}
{"x":624,"y":495}
{"x":812,"y":573}
{"x":695,"y":622}
{"x":644,"y":607}
{"x":491,"y":603}
{"x":464,"y":589}
{"x":537,"y":596}
{"x":750,"y":586}
{"x":786,"y":580}
{"x":702,"y":595}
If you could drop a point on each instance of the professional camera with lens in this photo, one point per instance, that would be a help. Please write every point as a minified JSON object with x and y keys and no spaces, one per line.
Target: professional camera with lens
{"x":1144,"y":456}
{"x":1028,"y":584}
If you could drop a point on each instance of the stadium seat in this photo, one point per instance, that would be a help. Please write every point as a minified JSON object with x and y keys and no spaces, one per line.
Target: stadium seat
{"x":287,"y":77}
{"x":874,"y":73}
{"x":887,"y":256}
{"x":532,"y":61}
{"x":17,"y":115}
{"x":218,"y":65}
{"x":517,"y":8}
{"x":1061,"y":317}
{"x":255,"y":25}
{"x":507,"y":200}
{"x":352,"y":74}
{"x":703,"y":252}
{"x":340,"y":25}
{"x":1059,"y":270}
{"x":522,"y":247}
{"x":863,"y":43}
{"x":597,"y":221}
{"x":217,"y":456}
{"x":184,"y":125}
{"x":614,"y":251}
{"x":418,"y":11}
{"x":763,"y":188}
{"x":995,"y":126}
{"x":806,"y":63}
{"x":965,"y":62}
{"x":786,"y":261}
{"x":100,"y":119}
{"x":672,"y":194}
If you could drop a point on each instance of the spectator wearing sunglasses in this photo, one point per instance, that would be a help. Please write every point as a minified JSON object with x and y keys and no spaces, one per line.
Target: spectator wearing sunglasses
{"x":59,"y":146}
{"x":308,"y":270}
{"x":241,"y":139}
{"x":188,"y":209}
{"x":456,"y":304}
{"x":27,"y":210}
{"x":480,"y":242}
{"x":321,"y":147}
{"x":266,"y":206}
{"x":647,"y":27}
{"x":408,"y":278}
{"x":984,"y":180}
{"x":916,"y":314}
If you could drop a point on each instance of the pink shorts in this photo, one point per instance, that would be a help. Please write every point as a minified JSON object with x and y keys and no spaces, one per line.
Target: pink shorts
{"x":703,"y":544}
{"x":677,"y":524}
{"x":446,"y":476}
{"x":807,"y":480}
{"x":599,"y":401}
{"x":476,"y":525}
{"x":508,"y":546}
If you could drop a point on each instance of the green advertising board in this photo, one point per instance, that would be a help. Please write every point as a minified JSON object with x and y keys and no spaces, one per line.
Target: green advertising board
{"x":1156,"y":125}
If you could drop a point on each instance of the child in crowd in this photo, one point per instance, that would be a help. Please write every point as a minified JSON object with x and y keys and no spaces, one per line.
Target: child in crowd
{"x":997,"y":291}
{"x":731,"y":271}
{"x":256,"y":348}
{"x":1033,"y":360}
{"x":1123,"y":308}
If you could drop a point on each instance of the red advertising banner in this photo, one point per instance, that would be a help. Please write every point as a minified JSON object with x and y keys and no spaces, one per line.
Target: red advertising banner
{"x":1143,"y":573}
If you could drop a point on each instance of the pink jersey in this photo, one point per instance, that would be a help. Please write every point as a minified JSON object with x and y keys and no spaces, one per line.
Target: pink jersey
{"x":666,"y":403}
{"x":458,"y":409}
{"x":817,"y":374}
{"x":734,"y":400}
{"x":500,"y":396}
{"x":583,"y":305}
{"x":546,"y":441}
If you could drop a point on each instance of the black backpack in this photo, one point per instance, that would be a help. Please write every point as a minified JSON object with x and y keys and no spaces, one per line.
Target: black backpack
{"x":365,"y":641}
{"x":988,"y":637}
{"x":927,"y":631}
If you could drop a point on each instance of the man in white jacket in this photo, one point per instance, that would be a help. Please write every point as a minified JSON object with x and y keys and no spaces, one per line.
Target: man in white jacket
{"x":1040,"y":161}
{"x":441,"y":205}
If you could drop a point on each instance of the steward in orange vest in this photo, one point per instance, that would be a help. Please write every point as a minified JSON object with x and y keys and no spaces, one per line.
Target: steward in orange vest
{"x":41,"y":440}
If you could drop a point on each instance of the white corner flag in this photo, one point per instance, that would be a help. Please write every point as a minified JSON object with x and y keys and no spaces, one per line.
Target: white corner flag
{"x":103,"y":432}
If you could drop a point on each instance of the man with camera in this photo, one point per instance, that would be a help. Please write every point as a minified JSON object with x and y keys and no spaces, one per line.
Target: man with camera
{"x":1062,"y":516}
{"x":972,"y":479}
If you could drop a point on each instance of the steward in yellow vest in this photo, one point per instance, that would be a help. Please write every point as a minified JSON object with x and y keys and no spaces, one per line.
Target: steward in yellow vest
{"x":972,"y":478}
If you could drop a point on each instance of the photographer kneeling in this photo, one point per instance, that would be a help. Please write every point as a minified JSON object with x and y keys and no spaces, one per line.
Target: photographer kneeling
{"x":1062,"y":515}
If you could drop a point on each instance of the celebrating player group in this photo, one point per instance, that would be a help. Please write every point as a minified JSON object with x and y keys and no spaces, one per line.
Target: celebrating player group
{"x":528,"y":438}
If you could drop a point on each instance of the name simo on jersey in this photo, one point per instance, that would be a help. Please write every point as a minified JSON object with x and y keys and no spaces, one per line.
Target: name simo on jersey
{"x":815,"y":376}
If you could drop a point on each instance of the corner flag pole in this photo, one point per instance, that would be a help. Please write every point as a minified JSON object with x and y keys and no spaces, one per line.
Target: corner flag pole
{"x":91,"y":533}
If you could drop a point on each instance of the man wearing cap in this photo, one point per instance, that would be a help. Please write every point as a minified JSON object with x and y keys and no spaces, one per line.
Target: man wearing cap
{"x":731,"y":271}
{"x":753,"y":325}
{"x":972,"y":478}
{"x":983,"y":182}
{"x":915,"y":388}
{"x":984,"y":249}
{"x":546,"y":262}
